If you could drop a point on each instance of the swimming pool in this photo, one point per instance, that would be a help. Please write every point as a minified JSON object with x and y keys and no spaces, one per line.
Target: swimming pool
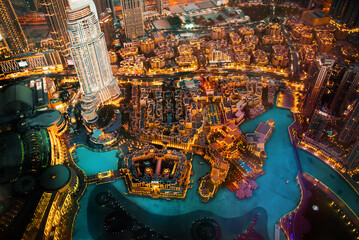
{"x":95,"y":162}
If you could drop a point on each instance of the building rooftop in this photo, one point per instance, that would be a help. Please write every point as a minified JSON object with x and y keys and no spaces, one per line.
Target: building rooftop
{"x":55,"y":177}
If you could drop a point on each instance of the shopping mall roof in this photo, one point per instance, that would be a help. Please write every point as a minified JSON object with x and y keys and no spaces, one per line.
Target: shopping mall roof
{"x":45,"y":118}
{"x":16,"y":98}
{"x":55,"y":177}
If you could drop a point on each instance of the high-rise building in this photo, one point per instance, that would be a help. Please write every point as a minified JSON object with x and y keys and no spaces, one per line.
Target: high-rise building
{"x":352,"y":159}
{"x":315,"y":83}
{"x":350,"y":131}
{"x":11,"y":30}
{"x":56,"y":17}
{"x":347,"y":90}
{"x":132,"y":12}
{"x":317,"y":124}
{"x":90,"y":55}
{"x":346,"y":11}
{"x":103,"y":5}
{"x":107,"y":26}
{"x":159,"y":6}
{"x":31,"y":4}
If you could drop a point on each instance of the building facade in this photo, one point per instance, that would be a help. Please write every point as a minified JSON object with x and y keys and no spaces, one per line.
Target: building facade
{"x":56,"y":17}
{"x":92,"y":63}
{"x":346,"y":11}
{"x":317,"y":124}
{"x":347,"y":89}
{"x":352,"y":159}
{"x":314,"y":86}
{"x":108,"y":27}
{"x":132,"y":12}
{"x":350,"y":131}
{"x":11,"y":30}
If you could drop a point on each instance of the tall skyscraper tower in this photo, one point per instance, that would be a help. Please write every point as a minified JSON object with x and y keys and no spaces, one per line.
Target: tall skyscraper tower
{"x":346,"y":11}
{"x":102,"y":5}
{"x":317,"y":124}
{"x":347,"y":90}
{"x":352,"y":159}
{"x":315,"y":84}
{"x":350,"y":131}
{"x":159,"y":6}
{"x":107,"y":26}
{"x":31,"y":4}
{"x":56,"y":17}
{"x":133,"y":18}
{"x":92,"y":63}
{"x":11,"y":29}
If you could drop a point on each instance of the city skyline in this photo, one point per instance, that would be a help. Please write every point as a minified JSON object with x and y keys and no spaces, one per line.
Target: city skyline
{"x":176,"y":119}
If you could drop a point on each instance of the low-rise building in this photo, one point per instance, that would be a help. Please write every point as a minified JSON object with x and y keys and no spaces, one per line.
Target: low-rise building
{"x":243,"y":58}
{"x":165,"y":52}
{"x":147,"y":45}
{"x":129,"y":51}
{"x":234,"y":38}
{"x":218,"y":33}
{"x":280,"y":56}
{"x":186,"y":61}
{"x":245,"y":30}
{"x":260,"y":57}
{"x":315,"y":18}
{"x":184,"y":50}
{"x":157,"y":62}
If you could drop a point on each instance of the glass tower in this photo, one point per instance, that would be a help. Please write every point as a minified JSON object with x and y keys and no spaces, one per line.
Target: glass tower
{"x":56,"y":17}
{"x":90,"y":55}
{"x":314,"y":86}
{"x":133,"y":18}
{"x":11,"y":29}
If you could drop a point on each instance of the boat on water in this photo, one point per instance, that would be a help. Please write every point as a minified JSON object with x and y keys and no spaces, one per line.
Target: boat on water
{"x":200,"y":162}
{"x":125,"y":193}
{"x":310,"y":160}
{"x":287,"y":181}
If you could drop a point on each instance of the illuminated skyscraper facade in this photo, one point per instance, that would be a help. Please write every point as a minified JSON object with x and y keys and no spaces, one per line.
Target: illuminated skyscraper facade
{"x":31,"y":4}
{"x":107,"y":26}
{"x":350,"y":131}
{"x":347,"y":90}
{"x":159,"y":6}
{"x":352,"y":159}
{"x":133,"y":18}
{"x":56,"y":17}
{"x":346,"y":11}
{"x":11,"y":30}
{"x":102,"y":5}
{"x":92,"y":63}
{"x":317,"y":124}
{"x":315,"y":84}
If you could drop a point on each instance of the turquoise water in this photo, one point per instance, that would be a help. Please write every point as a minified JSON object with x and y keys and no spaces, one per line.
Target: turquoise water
{"x":273,"y":194}
{"x":95,"y":162}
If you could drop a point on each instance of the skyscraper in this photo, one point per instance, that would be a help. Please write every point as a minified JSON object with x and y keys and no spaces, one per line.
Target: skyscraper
{"x":159,"y":6}
{"x":347,"y":90}
{"x":92,"y":63}
{"x":11,"y":29}
{"x":315,"y":83}
{"x":133,"y":18}
{"x":346,"y":11}
{"x":317,"y":124}
{"x":107,"y":26}
{"x":352,"y":159}
{"x":102,"y":5}
{"x":350,"y":131}
{"x":56,"y":17}
{"x":31,"y":4}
